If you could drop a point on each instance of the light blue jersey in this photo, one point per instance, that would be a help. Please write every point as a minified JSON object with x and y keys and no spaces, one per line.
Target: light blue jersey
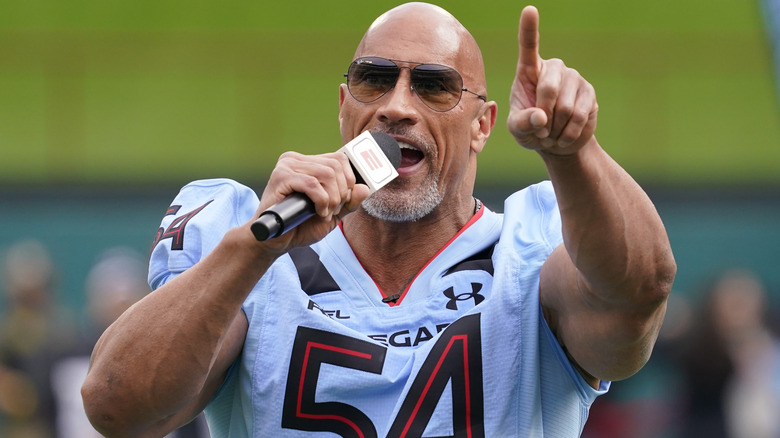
{"x":463,"y":352}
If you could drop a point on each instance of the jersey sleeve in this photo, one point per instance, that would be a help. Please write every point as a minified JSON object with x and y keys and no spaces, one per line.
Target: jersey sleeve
{"x":197,"y":219}
{"x":536,"y":218}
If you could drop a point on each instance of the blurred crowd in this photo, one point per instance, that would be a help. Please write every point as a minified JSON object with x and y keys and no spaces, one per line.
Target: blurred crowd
{"x":45,"y":346}
{"x":715,"y":371}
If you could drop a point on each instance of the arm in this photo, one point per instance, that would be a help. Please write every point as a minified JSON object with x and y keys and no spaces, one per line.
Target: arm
{"x":161,"y":362}
{"x":604,"y":291}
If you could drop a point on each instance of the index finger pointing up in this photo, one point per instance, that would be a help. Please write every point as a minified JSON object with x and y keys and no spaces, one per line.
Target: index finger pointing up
{"x":528,"y":39}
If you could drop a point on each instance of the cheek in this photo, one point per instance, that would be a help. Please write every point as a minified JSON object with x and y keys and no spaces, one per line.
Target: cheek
{"x":349,"y":122}
{"x":453,"y":162}
{"x":352,"y":121}
{"x":457,"y":137}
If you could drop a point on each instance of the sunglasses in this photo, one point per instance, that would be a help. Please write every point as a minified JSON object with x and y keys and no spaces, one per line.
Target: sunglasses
{"x":438,"y":86}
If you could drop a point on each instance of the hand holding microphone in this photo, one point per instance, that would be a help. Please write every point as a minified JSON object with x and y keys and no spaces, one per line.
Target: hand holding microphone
{"x":374,"y":158}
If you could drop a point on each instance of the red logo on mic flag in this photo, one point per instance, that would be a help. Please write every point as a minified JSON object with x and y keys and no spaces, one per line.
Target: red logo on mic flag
{"x":370,"y":161}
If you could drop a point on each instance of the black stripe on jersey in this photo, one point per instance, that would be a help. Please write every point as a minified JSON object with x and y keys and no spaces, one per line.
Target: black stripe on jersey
{"x":314,"y":277}
{"x":481,"y":261}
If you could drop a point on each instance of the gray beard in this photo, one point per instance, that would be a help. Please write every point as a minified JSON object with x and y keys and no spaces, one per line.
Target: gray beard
{"x":393,"y":205}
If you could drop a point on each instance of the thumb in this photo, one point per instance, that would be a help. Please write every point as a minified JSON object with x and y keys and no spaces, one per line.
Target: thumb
{"x":526,"y":121}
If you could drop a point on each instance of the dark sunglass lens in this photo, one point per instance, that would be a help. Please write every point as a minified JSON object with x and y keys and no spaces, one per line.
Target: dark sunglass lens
{"x":369,"y":79}
{"x":437,"y":85}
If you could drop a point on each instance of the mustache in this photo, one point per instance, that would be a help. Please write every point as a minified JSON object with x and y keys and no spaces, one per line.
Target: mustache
{"x":426,"y":145}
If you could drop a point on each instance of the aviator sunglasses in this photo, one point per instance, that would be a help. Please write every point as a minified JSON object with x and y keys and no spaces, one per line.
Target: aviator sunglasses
{"x":438,"y":86}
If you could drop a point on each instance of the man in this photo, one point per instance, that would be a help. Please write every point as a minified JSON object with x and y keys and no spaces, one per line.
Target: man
{"x":422,"y":313}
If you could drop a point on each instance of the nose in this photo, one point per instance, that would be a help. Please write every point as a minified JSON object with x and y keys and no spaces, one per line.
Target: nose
{"x":400,"y":105}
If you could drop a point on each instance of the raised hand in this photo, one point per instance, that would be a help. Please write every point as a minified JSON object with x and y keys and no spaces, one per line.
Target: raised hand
{"x":552,"y":108}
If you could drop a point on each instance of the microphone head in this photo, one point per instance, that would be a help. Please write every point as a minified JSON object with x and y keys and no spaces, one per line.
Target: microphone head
{"x":389,"y":146}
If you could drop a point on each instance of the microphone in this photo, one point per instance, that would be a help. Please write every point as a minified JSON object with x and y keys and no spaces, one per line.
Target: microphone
{"x":374,"y":158}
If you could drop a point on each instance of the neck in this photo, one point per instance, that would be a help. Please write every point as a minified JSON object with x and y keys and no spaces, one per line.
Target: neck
{"x":392,"y":253}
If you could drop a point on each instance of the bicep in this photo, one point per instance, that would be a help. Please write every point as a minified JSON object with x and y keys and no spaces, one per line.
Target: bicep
{"x":558,"y":291}
{"x":229,"y":351}
{"x":604,"y":340}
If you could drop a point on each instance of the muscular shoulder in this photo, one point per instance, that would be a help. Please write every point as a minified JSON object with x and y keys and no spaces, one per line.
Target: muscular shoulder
{"x":195,"y":222}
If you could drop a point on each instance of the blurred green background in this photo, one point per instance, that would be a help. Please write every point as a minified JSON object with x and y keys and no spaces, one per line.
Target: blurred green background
{"x":151,"y":92}
{"x":106,"y":108}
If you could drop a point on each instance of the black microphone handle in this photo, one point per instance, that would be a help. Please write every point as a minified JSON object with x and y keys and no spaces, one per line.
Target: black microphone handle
{"x":296,"y":208}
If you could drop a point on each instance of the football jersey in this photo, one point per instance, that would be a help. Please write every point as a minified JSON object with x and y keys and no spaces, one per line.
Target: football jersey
{"x":464,"y":351}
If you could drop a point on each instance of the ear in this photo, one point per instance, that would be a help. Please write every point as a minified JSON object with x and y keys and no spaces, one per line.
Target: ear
{"x":342,"y":96}
{"x":483,"y":125}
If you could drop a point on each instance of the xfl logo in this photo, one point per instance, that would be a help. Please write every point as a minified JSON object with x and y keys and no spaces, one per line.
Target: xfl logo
{"x":453,"y":303}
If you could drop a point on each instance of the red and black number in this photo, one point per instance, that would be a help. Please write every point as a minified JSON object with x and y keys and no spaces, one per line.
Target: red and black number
{"x":175,"y":230}
{"x":311,"y":349}
{"x":455,"y":358}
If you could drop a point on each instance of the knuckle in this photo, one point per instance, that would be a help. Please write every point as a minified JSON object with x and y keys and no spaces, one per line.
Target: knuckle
{"x":564,"y":110}
{"x":546,"y":91}
{"x":288,"y":155}
{"x":556,"y":62}
{"x":337,"y":161}
{"x":333,"y":202}
{"x":310,"y":182}
{"x":579,"y":116}
{"x":327,"y":173}
{"x":568,"y":137}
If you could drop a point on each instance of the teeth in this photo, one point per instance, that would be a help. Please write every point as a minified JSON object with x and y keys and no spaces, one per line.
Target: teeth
{"x":403,"y":145}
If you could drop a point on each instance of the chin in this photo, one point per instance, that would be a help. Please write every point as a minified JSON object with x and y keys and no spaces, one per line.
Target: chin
{"x":407,"y":206}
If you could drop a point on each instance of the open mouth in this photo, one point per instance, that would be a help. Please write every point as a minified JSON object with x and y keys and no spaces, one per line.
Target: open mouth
{"x":409,"y":155}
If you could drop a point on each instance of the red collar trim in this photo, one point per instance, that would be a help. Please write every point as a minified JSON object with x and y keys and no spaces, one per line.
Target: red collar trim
{"x":396,"y":302}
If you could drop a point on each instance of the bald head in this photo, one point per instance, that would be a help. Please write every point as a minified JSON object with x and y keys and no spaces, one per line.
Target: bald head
{"x":422,"y":32}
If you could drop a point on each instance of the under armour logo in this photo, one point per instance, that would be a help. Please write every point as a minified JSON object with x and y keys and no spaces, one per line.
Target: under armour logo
{"x":453,"y":303}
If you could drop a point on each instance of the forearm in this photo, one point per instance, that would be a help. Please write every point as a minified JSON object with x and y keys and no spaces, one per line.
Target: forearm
{"x":611,"y":229}
{"x":156,"y":359}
